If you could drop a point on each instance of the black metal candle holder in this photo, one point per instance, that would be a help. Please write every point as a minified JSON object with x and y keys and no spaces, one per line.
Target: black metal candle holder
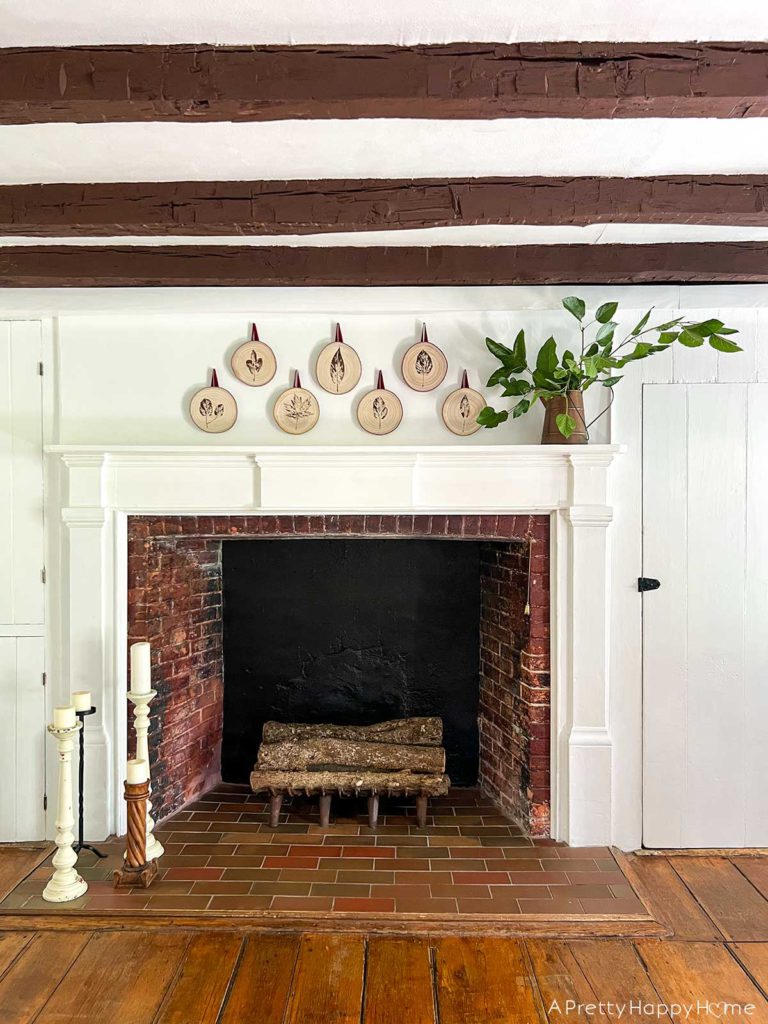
{"x":80,"y":844}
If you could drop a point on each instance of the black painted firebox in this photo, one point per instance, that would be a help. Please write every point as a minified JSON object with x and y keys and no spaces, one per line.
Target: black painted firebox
{"x":351,"y":632}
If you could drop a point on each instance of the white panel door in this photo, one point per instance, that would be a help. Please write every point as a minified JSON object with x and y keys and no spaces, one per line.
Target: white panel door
{"x":705,"y":632}
{"x":22,"y":738}
{"x":21,"y":474}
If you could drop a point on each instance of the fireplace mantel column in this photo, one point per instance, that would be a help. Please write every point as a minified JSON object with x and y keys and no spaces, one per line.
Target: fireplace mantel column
{"x":585,"y":742}
{"x":85,"y":601}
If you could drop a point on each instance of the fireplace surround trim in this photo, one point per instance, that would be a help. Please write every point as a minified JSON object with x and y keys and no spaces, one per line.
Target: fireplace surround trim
{"x":93,"y":489}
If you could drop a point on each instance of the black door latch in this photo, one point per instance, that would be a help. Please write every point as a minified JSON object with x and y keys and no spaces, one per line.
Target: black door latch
{"x":645,"y":583}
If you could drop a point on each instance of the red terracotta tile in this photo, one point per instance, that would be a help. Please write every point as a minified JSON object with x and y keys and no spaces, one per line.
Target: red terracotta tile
{"x":378,"y":852}
{"x":221,"y":888}
{"x":315,"y":851}
{"x":290,"y":862}
{"x":309,"y":904}
{"x":480,"y":877}
{"x":407,"y":905}
{"x":347,"y":904}
{"x":193,"y":874}
{"x":613,"y":906}
{"x":243,"y":903}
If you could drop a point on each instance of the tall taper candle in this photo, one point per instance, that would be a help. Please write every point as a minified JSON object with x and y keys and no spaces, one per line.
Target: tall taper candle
{"x":141,"y":668}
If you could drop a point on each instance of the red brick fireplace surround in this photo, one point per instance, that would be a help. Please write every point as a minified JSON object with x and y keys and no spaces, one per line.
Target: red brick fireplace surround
{"x":175,"y":602}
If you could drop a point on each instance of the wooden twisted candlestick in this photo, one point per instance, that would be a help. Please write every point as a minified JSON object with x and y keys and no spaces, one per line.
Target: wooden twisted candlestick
{"x":136,"y":871}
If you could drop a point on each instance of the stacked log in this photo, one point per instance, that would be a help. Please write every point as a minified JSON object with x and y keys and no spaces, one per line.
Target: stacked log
{"x":401,"y":757}
{"x":426,"y":731}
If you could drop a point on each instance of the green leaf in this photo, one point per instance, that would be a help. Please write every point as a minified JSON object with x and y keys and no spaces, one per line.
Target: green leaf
{"x":568,"y":359}
{"x":488,"y":417}
{"x":669,"y":324}
{"x":608,"y":382}
{"x":498,"y":376}
{"x":667,"y":337}
{"x":605,"y":312}
{"x":565,"y":424}
{"x":546,"y":361}
{"x":727,"y":330}
{"x":641,"y":350}
{"x":521,"y":408}
{"x":606,"y":331}
{"x":723,"y":345}
{"x":506,"y":355}
{"x":519,"y":350}
{"x":707,"y":327}
{"x":593,"y":349}
{"x":575,"y":306}
{"x":516,"y":387}
{"x":642,"y":322}
{"x":689,"y":339}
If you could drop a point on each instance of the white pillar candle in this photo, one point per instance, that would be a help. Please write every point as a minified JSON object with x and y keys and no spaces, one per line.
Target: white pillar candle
{"x":136,"y":772}
{"x":64,"y":717}
{"x":141,"y":670}
{"x":82,"y":700}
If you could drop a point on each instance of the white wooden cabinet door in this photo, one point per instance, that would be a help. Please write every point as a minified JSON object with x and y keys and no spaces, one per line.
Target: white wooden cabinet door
{"x":705,"y":631}
{"x":22,"y":738}
{"x":21,"y":474}
{"x":22,"y":603}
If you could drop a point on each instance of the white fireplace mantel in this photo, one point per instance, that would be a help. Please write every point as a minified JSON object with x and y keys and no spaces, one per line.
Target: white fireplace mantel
{"x":93,"y":489}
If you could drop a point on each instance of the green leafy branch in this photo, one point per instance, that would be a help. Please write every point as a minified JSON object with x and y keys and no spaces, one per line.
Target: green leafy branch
{"x":594,"y":361}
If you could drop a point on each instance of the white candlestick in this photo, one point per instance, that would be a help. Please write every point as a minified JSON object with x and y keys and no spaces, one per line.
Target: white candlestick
{"x":64,"y":884}
{"x":141,"y":668}
{"x":64,"y":717}
{"x":136,"y":771}
{"x":141,"y":702}
{"x":82,"y":700}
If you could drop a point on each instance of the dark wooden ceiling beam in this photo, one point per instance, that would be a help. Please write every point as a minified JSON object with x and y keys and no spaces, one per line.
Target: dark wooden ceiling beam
{"x":113,"y":266}
{"x":308,"y":207}
{"x":461,"y":80}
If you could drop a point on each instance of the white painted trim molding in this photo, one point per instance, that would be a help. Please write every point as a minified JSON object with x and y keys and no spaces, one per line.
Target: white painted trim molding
{"x":98,"y":487}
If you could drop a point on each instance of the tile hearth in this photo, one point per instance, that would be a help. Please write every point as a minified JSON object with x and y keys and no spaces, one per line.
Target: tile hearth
{"x":223,"y":857}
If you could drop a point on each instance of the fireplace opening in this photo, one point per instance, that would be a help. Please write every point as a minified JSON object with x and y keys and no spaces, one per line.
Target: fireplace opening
{"x":349,"y":620}
{"x":351,"y":632}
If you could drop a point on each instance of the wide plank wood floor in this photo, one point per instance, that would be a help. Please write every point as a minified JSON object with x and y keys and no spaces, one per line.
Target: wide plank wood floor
{"x":717,"y":951}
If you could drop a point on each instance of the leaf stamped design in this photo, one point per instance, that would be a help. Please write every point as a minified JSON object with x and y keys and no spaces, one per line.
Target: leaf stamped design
{"x":298,"y":409}
{"x":464,"y":412}
{"x":380,"y":411}
{"x":337,"y":370}
{"x":254,"y":363}
{"x":423,"y":365}
{"x":208,"y":412}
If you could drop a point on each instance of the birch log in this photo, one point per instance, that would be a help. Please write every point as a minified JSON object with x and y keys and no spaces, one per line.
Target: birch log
{"x":335,"y":755}
{"x":312,"y":783}
{"x":426,"y":731}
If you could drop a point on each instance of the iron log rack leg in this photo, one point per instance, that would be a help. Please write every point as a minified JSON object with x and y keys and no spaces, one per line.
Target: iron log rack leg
{"x":80,"y":845}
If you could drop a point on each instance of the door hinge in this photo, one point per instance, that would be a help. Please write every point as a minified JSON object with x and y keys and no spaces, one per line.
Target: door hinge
{"x":43,"y":575}
{"x":45,"y":801}
{"x":40,"y":369}
{"x":45,"y":678}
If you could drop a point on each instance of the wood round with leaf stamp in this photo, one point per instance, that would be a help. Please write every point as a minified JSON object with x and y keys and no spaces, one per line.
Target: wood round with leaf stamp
{"x":424,"y":366}
{"x":254,"y":363}
{"x":338,"y":368}
{"x":461,"y":409}
{"x":213,"y":410}
{"x":296,"y":411}
{"x":379,"y":412}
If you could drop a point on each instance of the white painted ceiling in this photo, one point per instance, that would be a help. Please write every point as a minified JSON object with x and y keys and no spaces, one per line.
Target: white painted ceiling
{"x":473,"y":234}
{"x":399,"y":22}
{"x":363,"y":148}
